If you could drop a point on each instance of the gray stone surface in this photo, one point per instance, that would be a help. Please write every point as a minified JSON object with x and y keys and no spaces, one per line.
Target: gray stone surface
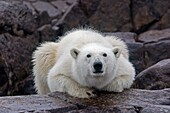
{"x":129,"y":101}
{"x":34,"y":103}
{"x":155,"y":77}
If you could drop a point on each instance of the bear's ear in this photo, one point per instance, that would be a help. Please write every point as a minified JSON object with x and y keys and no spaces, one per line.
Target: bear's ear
{"x":116,"y":51}
{"x":74,"y":52}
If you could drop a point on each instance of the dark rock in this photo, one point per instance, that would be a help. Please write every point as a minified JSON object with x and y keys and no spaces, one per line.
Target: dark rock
{"x":112,"y":15}
{"x":74,"y":17}
{"x":156,"y":46}
{"x":146,"y":13}
{"x":43,"y":19}
{"x":136,"y":52}
{"x":154,"y":77}
{"x":89,"y":7}
{"x":16,"y":19}
{"x":29,"y":5}
{"x":164,"y":21}
{"x":47,"y":33}
{"x":18,"y":39}
{"x":15,"y":54}
{"x":155,"y":52}
{"x":129,"y":101}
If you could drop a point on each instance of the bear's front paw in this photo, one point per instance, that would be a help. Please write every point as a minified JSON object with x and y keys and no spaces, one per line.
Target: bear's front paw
{"x":84,"y":93}
{"x":115,"y":86}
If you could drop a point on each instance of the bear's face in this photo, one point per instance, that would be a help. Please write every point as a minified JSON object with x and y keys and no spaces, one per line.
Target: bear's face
{"x":95,"y":60}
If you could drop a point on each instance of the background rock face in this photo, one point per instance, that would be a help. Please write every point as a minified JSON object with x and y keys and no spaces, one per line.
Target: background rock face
{"x":154,"y":77}
{"x":24,"y":24}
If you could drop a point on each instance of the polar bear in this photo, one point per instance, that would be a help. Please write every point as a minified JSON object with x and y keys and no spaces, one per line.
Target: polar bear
{"x":83,"y":60}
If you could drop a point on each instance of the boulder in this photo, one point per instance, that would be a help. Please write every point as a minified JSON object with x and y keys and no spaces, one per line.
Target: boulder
{"x":154,"y":77}
{"x":17,"y":42}
{"x":74,"y":17}
{"x":148,"y":14}
{"x":112,"y":15}
{"x":15,"y":54}
{"x":156,"y":46}
{"x":128,"y":101}
{"x":16,"y":18}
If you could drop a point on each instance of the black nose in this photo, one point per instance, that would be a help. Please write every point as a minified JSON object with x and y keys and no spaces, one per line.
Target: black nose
{"x":97,"y":66}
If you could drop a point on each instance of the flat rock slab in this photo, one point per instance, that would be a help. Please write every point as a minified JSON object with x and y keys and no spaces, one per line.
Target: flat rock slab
{"x":33,"y":103}
{"x":129,"y":101}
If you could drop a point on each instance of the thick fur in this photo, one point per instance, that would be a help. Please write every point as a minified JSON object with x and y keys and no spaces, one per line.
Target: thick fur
{"x":63,"y":66}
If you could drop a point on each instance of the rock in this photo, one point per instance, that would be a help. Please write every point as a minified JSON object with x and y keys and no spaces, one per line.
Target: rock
{"x":17,"y":42}
{"x":156,"y":46}
{"x":61,"y":5}
{"x":128,"y":37}
{"x":154,"y":36}
{"x":43,"y":19}
{"x":15,"y":54}
{"x":110,"y":17}
{"x":164,"y":22}
{"x":155,"y":52}
{"x":129,"y":101}
{"x":147,"y":13}
{"x":136,"y":52}
{"x":89,"y":7}
{"x":154,"y":77}
{"x":42,"y":6}
{"x":16,"y":19}
{"x":74,"y":17}
{"x":47,"y":33}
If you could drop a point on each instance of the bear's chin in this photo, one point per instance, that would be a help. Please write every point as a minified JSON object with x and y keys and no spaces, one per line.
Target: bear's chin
{"x":97,"y":74}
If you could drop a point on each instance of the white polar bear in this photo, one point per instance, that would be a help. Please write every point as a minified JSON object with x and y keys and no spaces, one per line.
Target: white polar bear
{"x":82,"y":60}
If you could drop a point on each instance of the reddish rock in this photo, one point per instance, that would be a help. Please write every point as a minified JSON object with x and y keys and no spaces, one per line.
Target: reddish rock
{"x":154,"y":77}
{"x":147,"y":13}
{"x":112,"y":15}
{"x":74,"y":17}
{"x":164,"y":22}
{"x":89,"y":7}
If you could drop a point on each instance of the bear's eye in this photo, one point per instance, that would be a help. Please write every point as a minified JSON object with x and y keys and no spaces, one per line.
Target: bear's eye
{"x":104,"y":54}
{"x":88,"y":55}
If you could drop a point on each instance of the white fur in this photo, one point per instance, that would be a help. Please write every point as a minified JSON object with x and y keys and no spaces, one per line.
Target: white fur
{"x":65,"y":66}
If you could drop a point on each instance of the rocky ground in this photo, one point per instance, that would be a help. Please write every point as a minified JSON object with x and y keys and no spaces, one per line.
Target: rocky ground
{"x":143,"y":25}
{"x":129,"y":101}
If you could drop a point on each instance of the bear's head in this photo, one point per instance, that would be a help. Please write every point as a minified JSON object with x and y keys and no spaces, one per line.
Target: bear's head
{"x":95,"y":60}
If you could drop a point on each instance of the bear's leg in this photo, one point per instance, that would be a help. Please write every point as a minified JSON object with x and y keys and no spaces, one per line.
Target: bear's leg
{"x":41,"y":85}
{"x":119,"y":84}
{"x":63,"y":83}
